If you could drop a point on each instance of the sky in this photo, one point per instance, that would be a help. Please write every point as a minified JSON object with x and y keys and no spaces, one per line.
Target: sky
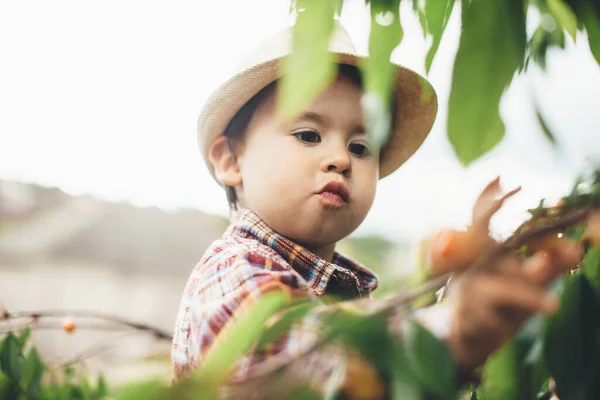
{"x":102,"y":98}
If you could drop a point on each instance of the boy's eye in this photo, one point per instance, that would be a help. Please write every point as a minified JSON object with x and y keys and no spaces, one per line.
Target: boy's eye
{"x":309,"y":136}
{"x":358,"y":149}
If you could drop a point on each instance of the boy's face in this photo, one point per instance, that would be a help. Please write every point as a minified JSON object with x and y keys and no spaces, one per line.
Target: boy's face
{"x":312,"y":180}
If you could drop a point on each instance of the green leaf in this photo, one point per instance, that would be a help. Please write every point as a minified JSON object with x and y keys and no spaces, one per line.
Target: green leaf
{"x":571,"y":344}
{"x":430,"y":360}
{"x":404,"y":385}
{"x":437,"y":13}
{"x":502,"y":373}
{"x":537,"y":370}
{"x":491,"y":49}
{"x":238,"y":341}
{"x":564,"y":16}
{"x":310,"y":67}
{"x":11,"y":358}
{"x":284,"y":323}
{"x":378,"y":71}
{"x":544,"y":125}
{"x":33,"y":370}
{"x":592,"y":27}
{"x":101,"y":387}
{"x":339,"y":5}
{"x":24,"y":336}
{"x":532,"y":364}
{"x":86,"y":390}
{"x":590,"y":267}
{"x":147,"y":390}
{"x":69,"y":372}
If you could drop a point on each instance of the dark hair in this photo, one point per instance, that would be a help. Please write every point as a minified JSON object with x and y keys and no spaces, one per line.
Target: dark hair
{"x":234,"y":132}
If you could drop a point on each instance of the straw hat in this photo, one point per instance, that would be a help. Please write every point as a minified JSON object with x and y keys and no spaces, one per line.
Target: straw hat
{"x":414,"y":115}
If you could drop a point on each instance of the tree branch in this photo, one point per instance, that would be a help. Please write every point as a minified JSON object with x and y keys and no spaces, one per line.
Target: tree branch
{"x":35,"y":317}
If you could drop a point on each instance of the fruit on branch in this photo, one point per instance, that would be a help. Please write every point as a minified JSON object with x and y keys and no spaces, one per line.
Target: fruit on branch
{"x":453,"y":250}
{"x":69,"y":325}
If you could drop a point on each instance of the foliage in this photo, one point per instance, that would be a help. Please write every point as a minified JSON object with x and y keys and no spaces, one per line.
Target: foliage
{"x":493,"y":48}
{"x":24,"y":376}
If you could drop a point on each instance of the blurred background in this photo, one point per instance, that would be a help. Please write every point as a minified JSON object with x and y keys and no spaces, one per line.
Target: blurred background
{"x":105,"y":204}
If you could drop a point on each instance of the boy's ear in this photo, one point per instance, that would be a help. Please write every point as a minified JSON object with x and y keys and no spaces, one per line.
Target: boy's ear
{"x":225,"y":163}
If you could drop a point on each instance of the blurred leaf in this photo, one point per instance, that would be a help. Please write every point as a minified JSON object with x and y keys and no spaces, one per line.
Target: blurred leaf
{"x":571,"y":342}
{"x":284,"y":323}
{"x":502,"y":373}
{"x":430,"y":360}
{"x":11,"y":358}
{"x":24,"y":336}
{"x":538,"y":46}
{"x":238,"y":341}
{"x":564,"y":16}
{"x":537,"y":370}
{"x":590,"y":267}
{"x":86,"y":390}
{"x":339,"y":5}
{"x":366,"y":333}
{"x":33,"y":370}
{"x":422,"y":20}
{"x":592,"y":27}
{"x":378,"y":71}
{"x":404,"y":384}
{"x":549,"y":135}
{"x":69,"y":372}
{"x":310,"y":66}
{"x":592,"y":391}
{"x":147,"y":390}
{"x":492,"y":46}
{"x":531,"y":362}
{"x":5,"y":386}
{"x":437,"y":13}
{"x":101,"y":387}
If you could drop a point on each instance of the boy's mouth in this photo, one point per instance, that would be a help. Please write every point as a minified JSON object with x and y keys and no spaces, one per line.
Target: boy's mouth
{"x":335,"y":194}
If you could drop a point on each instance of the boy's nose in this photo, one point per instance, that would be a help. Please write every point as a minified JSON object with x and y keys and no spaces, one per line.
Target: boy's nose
{"x":339,"y":162}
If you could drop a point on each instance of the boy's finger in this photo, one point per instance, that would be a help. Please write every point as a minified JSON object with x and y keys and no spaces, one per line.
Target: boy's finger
{"x":477,"y":320}
{"x":511,"y":265}
{"x":544,"y":266}
{"x":504,"y":292}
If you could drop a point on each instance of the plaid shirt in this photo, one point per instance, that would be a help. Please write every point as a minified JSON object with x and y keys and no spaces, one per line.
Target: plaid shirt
{"x":248,"y":261}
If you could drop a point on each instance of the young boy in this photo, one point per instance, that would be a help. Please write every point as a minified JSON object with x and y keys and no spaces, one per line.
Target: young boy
{"x":298,"y":187}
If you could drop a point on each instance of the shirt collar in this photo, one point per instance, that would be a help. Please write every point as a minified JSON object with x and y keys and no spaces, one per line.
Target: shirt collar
{"x":315,"y":270}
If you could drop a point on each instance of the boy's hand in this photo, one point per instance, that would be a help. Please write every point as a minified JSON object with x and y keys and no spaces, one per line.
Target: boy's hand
{"x":490,"y":307}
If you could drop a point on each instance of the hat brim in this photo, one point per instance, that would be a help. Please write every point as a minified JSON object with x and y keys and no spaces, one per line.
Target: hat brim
{"x":415,"y":103}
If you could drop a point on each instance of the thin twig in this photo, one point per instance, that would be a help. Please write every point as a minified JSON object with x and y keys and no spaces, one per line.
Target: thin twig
{"x":80,"y":327}
{"x":97,"y":348}
{"x":37,"y":315}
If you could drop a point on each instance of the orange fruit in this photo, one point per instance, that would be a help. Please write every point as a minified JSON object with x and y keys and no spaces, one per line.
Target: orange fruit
{"x":69,"y":325}
{"x":452,"y":250}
